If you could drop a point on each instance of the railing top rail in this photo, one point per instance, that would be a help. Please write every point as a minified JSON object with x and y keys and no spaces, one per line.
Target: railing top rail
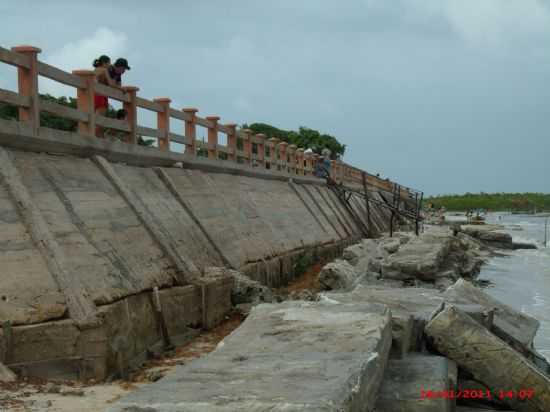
{"x":285,"y":157}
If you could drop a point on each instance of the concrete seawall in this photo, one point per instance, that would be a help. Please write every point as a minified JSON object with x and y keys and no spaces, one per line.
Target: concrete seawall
{"x":83,"y":242}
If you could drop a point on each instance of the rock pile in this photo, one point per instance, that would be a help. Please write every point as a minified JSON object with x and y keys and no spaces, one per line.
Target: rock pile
{"x":434,"y":259}
{"x":369,"y":342}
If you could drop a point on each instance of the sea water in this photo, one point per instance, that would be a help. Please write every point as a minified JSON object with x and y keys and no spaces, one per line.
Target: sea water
{"x":521,"y":278}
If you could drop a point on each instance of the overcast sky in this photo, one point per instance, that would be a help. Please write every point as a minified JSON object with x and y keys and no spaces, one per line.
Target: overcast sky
{"x":447,"y":96}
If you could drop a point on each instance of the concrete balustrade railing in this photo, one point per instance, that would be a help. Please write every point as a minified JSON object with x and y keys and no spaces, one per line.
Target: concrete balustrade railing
{"x":282,"y":157}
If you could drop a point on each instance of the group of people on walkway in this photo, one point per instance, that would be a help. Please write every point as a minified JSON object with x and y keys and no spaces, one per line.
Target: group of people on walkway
{"x":109,"y":75}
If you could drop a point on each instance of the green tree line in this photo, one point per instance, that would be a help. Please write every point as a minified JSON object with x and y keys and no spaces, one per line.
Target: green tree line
{"x":493,"y":201}
{"x":304,"y":137}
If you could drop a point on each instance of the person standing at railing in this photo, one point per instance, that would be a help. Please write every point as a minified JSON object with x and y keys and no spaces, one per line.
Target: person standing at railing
{"x":109,"y":75}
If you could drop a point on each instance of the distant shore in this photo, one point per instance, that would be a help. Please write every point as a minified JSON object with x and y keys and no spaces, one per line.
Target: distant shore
{"x":525,"y":203}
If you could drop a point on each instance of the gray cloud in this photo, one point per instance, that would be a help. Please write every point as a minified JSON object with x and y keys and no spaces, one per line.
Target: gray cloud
{"x":444,"y":95}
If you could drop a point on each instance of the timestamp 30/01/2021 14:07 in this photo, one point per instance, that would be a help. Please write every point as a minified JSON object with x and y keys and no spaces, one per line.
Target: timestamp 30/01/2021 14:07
{"x":523,"y":394}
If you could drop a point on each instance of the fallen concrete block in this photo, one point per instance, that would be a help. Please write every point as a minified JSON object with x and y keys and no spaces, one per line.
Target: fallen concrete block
{"x":489,"y":359}
{"x":418,"y":383}
{"x":420,"y":258}
{"x":338,"y":275}
{"x":516,"y":328}
{"x":294,"y":356}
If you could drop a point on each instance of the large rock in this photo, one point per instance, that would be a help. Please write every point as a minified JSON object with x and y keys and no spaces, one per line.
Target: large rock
{"x":294,"y":356}
{"x":516,"y":328}
{"x":338,"y":275}
{"x":365,"y":255}
{"x":407,"y":383}
{"x":491,"y":235}
{"x":246,"y":290}
{"x":489,"y":359}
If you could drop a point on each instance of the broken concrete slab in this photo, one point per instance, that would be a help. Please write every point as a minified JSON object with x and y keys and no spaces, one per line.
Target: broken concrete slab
{"x":414,"y":384}
{"x":295,"y":356}
{"x":514,"y":327}
{"x":411,"y":308}
{"x":488,"y":358}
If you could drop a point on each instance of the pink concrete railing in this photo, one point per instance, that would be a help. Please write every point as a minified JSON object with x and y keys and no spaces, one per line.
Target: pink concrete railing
{"x":282,"y":156}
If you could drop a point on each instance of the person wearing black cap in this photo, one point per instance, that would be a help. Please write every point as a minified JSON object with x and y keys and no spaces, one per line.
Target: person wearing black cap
{"x":117,"y":70}
{"x":109,"y":75}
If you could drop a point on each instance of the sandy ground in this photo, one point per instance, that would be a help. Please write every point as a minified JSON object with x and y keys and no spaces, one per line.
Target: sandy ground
{"x":34,"y":395}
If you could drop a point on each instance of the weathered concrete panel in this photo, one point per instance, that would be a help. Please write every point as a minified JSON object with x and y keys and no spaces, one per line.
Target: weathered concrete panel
{"x":22,"y":264}
{"x":105,"y":244}
{"x":291,"y":357}
{"x":172,"y":219}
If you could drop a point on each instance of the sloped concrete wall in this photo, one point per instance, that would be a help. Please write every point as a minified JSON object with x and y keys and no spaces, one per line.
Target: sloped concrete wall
{"x":82,"y":237}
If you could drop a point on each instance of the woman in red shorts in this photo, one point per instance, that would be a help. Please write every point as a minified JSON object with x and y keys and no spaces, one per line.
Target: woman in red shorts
{"x":101,"y":103}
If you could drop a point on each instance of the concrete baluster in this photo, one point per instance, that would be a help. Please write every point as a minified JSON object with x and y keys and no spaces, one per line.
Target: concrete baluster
{"x":291,"y":155}
{"x":308,"y":168}
{"x":27,"y":79}
{"x":315,"y":162}
{"x":283,"y":146}
{"x":131,"y":113}
{"x":85,"y":102}
{"x":248,"y":149}
{"x":213,"y":137}
{"x":272,"y":143}
{"x":163,"y":123}
{"x":247,"y":146}
{"x":260,"y":137}
{"x":190,"y":131}
{"x":300,"y":161}
{"x":232,"y":142}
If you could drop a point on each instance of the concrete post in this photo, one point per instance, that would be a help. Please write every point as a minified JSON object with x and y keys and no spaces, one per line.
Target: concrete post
{"x":261,"y":150}
{"x":291,"y":150}
{"x":85,"y":102}
{"x":131,"y":113}
{"x":282,"y":156}
{"x":232,"y":142}
{"x":247,"y":146}
{"x":190,"y":131}
{"x":300,"y":161}
{"x":27,"y":80}
{"x":213,"y":137}
{"x":163,"y":123}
